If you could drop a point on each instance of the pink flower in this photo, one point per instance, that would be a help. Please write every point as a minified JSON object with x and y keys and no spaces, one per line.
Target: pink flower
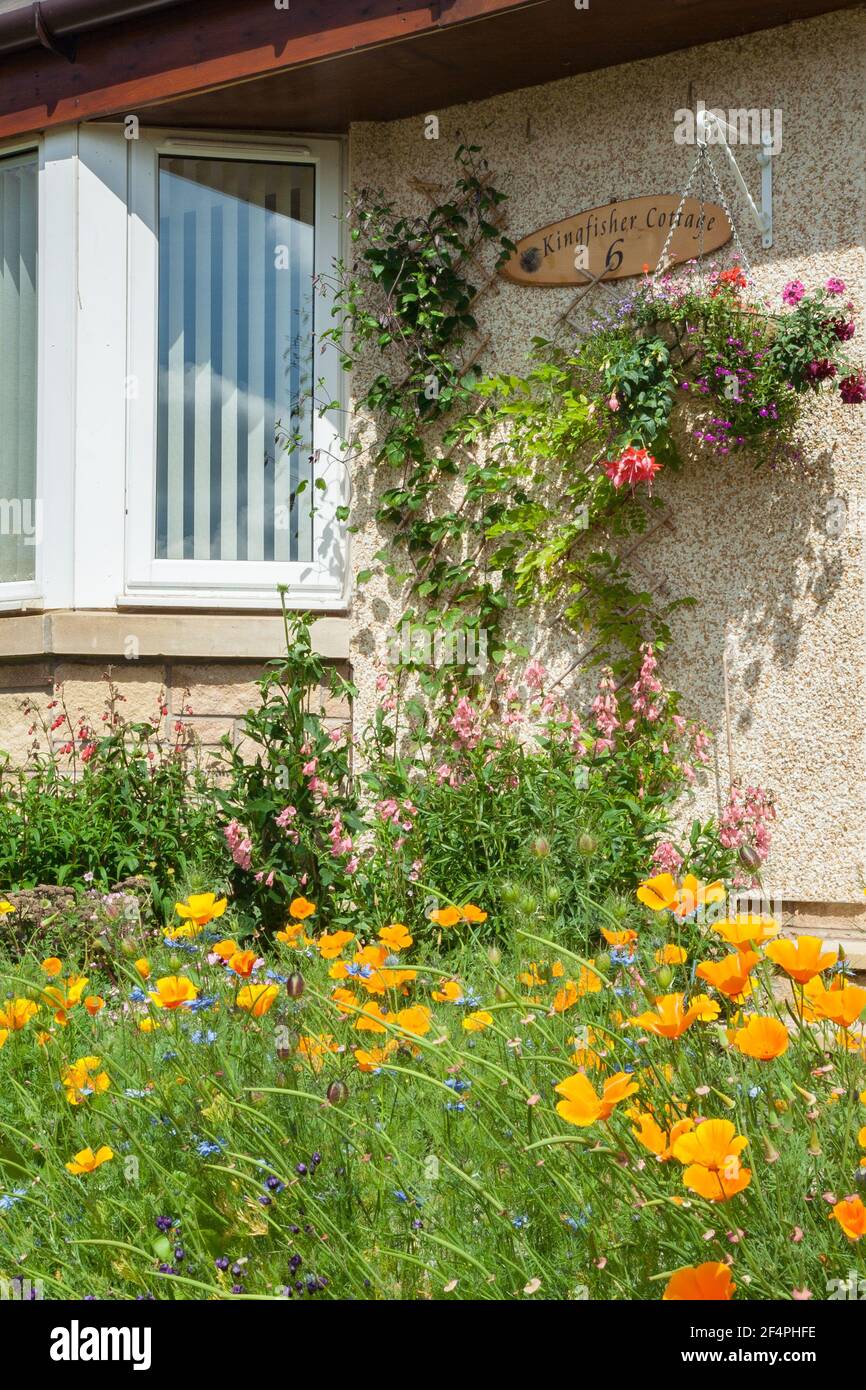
{"x":835,"y":285}
{"x":666,"y":859}
{"x":534,"y":675}
{"x":793,"y":292}
{"x":633,"y":467}
{"x":240,"y":844}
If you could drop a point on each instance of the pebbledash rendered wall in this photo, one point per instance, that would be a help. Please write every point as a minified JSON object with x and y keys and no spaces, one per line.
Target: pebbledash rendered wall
{"x":776,"y":560}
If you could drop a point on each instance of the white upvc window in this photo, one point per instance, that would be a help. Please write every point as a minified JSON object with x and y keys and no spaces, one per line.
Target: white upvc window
{"x":20,"y":502}
{"x":234,"y":475}
{"x":162,"y":380}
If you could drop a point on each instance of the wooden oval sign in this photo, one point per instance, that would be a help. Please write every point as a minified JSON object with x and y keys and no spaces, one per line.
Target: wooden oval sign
{"x":615,"y":241}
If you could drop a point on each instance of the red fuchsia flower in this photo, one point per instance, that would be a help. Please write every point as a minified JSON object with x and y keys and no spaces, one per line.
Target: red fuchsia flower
{"x":633,"y":467}
{"x":793,"y":292}
{"x":842,"y":329}
{"x":820,"y":370}
{"x":852,"y":389}
{"x":835,"y":286}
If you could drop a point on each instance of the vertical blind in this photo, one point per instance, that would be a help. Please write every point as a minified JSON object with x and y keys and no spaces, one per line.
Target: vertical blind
{"x":18,"y":507}
{"x":235,"y":409}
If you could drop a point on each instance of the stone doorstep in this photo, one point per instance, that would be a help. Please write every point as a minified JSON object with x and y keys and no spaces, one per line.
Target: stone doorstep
{"x":170,"y":636}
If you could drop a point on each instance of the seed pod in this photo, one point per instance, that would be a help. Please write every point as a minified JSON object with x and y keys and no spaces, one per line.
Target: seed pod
{"x":587,"y":844}
{"x":553,"y":894}
{"x":527,"y":905}
{"x":509,"y":894}
{"x":295,"y":985}
{"x":494,"y":955}
{"x":501,"y":993}
{"x":338,"y":1092}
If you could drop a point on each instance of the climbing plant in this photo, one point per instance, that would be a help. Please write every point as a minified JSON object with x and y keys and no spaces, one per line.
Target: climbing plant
{"x":518,"y":489}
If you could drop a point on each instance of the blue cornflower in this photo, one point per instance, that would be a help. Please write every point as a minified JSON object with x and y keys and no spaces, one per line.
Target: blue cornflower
{"x":137,"y":995}
{"x":9,"y":1199}
{"x":455,"y":1084}
{"x":208,"y":1147}
{"x":200,"y":1036}
{"x":204,"y":1001}
{"x":518,"y":1222}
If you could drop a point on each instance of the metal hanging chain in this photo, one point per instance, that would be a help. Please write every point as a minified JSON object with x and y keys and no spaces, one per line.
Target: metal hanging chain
{"x":744,"y":259}
{"x":675,"y":219}
{"x":702,"y":162}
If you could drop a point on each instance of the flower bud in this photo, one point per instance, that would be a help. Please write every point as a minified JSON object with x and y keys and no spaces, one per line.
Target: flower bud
{"x":338,"y":1092}
{"x":553,"y":894}
{"x":501,"y":993}
{"x":750,"y":858}
{"x":528,"y":905}
{"x":603,"y":962}
{"x":510,"y":894}
{"x":494,"y":955}
{"x":541,"y":847}
{"x":295,"y":985}
{"x":664,"y":975}
{"x":587,"y":844}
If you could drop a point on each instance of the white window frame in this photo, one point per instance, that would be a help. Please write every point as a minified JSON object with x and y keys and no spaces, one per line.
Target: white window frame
{"x":18,"y":594}
{"x":318,"y":584}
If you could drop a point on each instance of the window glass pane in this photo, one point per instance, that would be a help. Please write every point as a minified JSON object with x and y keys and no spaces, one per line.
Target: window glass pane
{"x":234,"y":427}
{"x":19,"y":515}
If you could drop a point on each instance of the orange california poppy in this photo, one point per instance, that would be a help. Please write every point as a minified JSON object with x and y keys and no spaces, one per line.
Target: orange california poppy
{"x":649,"y":1132}
{"x":803,"y":958}
{"x":87,"y":1161}
{"x":173,"y":992}
{"x":762,"y":1037}
{"x":746,"y":930}
{"x":396,"y":937}
{"x":415,"y":1020}
{"x":619,"y":938}
{"x":700,"y":1283}
{"x":301,"y":908}
{"x":582,"y":1106}
{"x":565,"y":998}
{"x":445,"y":916}
{"x":93,"y":1004}
{"x":372,"y":1058}
{"x":242,"y":963}
{"x":841,"y":1004}
{"x":659,"y":893}
{"x":851,"y":1215}
{"x":257,"y":999}
{"x":53,"y":965}
{"x":669,"y":1018}
{"x":476,"y":1022}
{"x":731,"y":975}
{"x":15,"y":1014}
{"x":448,"y":992}
{"x":331,"y":944}
{"x":671,"y":955}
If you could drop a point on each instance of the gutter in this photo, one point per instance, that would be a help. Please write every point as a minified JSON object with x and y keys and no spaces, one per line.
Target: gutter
{"x":55,"y":24}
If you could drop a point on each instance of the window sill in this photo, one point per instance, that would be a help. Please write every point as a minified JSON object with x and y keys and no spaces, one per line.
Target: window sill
{"x":178,"y":636}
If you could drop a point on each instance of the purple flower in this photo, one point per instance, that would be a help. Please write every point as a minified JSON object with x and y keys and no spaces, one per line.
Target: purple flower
{"x":793,"y":292}
{"x":835,"y":285}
